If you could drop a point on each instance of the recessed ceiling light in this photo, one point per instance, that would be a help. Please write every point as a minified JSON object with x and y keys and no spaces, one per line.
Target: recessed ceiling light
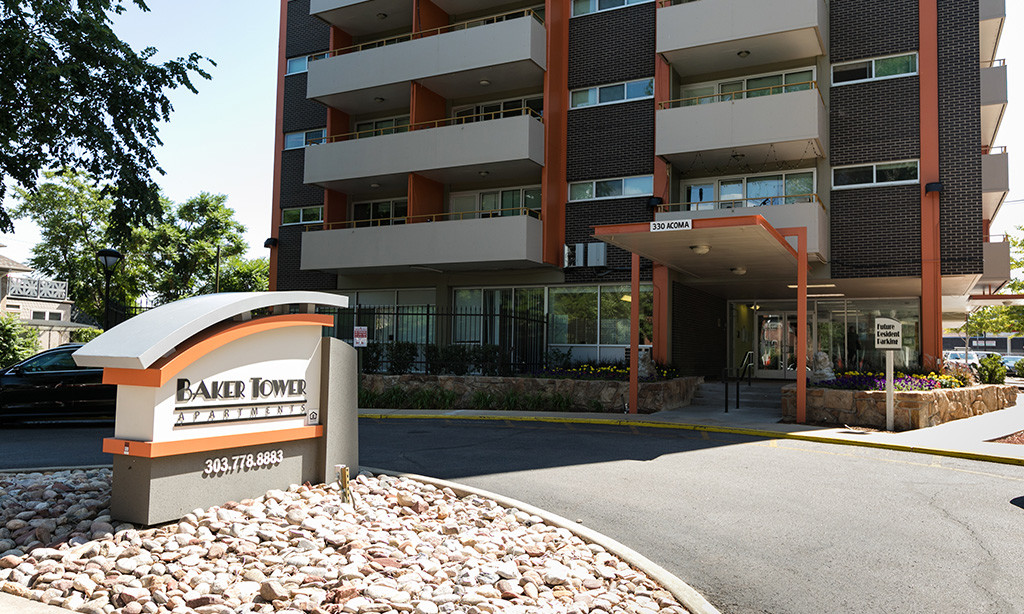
{"x":739,"y":270}
{"x":794,"y":286}
{"x":743,"y":53}
{"x":834,"y":295}
{"x":484,"y":173}
{"x":378,"y":99}
{"x":382,"y":16}
{"x":700,"y":250}
{"x":485,"y":82}
{"x":375,"y":185}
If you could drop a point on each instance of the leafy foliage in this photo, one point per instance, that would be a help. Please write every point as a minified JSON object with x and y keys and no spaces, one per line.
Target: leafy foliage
{"x":240,"y":275}
{"x":991,"y":370}
{"x":73,"y":95}
{"x":17,"y":342}
{"x":84,"y":335}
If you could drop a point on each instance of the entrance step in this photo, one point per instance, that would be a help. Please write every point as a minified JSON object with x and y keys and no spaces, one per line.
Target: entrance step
{"x":759,"y":394}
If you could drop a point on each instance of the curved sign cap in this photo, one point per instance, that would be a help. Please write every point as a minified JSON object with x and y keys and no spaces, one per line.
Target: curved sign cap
{"x":139,"y":342}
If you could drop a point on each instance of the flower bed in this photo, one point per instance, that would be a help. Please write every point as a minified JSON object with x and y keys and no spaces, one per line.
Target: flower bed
{"x":528,"y":393}
{"x":854,"y":380}
{"x":914,"y":409}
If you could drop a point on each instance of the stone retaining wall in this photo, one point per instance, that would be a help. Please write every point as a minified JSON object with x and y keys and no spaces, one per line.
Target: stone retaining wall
{"x":913,"y":410}
{"x":610,"y":397}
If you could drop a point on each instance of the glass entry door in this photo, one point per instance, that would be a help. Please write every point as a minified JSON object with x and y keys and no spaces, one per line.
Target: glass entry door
{"x":777,"y":344}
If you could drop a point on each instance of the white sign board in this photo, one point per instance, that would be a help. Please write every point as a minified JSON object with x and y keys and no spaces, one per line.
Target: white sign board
{"x":359,"y":336}
{"x":672,"y":225}
{"x":888,"y":334}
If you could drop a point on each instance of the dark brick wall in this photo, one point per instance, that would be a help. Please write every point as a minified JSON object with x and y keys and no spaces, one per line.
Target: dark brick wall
{"x":960,"y":217}
{"x":306,"y":34}
{"x":612,"y":46}
{"x":867,"y":28}
{"x":875,"y":121}
{"x":699,"y":339}
{"x":876,"y":232}
{"x":300,"y":113}
{"x":289,"y":256}
{"x":294,"y":193}
{"x":614,"y":140}
{"x":579,"y":219}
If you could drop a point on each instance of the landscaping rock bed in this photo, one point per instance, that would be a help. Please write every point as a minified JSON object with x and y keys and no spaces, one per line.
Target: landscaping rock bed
{"x":586,"y":395}
{"x":913,"y":409}
{"x":401,"y":547}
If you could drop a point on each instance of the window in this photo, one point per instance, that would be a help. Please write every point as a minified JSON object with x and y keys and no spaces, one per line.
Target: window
{"x":299,"y":65}
{"x":298,"y":140}
{"x":749,"y":191}
{"x":583,"y":7}
{"x":38,"y":315}
{"x":54,"y":316}
{"x":496,"y":203}
{"x":378,"y":127}
{"x":501,"y":108}
{"x":53,"y":361}
{"x":380,"y":213}
{"x":753,"y":86}
{"x":888,"y":173}
{"x":616,"y":92}
{"x":302,"y":215}
{"x":873,"y":70}
{"x":626,"y":187}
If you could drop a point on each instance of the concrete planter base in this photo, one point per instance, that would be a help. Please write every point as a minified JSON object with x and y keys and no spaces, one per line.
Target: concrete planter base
{"x":913,"y":410}
{"x":600,"y":396}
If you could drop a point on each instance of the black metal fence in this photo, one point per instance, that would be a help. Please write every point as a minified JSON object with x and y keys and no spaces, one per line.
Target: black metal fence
{"x":421,"y":339}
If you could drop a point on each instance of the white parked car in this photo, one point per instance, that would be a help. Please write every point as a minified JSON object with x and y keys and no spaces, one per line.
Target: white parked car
{"x":960,"y":356}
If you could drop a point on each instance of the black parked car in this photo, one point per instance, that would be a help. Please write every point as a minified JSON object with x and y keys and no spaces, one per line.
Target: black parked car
{"x":51,"y":386}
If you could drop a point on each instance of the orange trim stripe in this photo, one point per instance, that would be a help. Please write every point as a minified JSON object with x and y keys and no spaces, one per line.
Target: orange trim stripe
{"x":163,"y":370}
{"x":160,"y":449}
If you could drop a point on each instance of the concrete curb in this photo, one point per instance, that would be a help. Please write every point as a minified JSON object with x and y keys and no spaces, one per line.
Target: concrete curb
{"x":976,"y":456}
{"x":683,"y":592}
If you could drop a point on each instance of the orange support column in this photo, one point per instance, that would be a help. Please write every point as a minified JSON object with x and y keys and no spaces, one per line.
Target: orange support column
{"x":426,"y":197}
{"x":336,"y":203}
{"x":425,"y":106}
{"x":801,"y":319}
{"x":662,"y":92}
{"x":428,"y":16}
{"x":554,"y":188}
{"x":275,"y":216}
{"x":931,"y":262}
{"x":634,"y":336}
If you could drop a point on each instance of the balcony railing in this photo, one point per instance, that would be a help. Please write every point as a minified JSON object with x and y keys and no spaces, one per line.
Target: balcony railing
{"x":429,"y":217}
{"x":434,"y":123}
{"x":462,"y":25}
{"x":991,"y":63}
{"x":992,"y":151}
{"x":770,"y":90}
{"x":24,"y":287}
{"x":715,"y":205}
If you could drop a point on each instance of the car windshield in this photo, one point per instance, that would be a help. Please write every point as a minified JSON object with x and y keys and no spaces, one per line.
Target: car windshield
{"x":54,"y":361}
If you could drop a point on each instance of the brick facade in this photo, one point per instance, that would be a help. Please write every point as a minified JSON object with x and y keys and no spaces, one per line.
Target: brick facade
{"x":306,"y":34}
{"x":612,"y":46}
{"x":289,"y":257}
{"x":960,"y":217}
{"x":875,"y":121}
{"x":615,"y":140}
{"x":699,"y":339}
{"x":299,"y":112}
{"x":581,"y":217}
{"x":876,"y":232}
{"x":862,"y":29}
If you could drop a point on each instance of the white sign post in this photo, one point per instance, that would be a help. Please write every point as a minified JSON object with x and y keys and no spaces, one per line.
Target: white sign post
{"x":889,"y":337}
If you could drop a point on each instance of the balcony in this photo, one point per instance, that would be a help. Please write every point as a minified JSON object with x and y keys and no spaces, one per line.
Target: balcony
{"x":993,"y":100}
{"x":995,"y":180}
{"x":991,"y":14}
{"x":805,"y":210}
{"x":507,"y":150}
{"x":739,"y":34}
{"x":360,"y":17}
{"x":767,"y":124}
{"x":996,"y":270}
{"x":506,"y":239}
{"x":498,"y":53}
{"x":40,"y":289}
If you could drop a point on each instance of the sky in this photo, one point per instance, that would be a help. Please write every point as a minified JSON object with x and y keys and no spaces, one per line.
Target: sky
{"x":222,"y":140}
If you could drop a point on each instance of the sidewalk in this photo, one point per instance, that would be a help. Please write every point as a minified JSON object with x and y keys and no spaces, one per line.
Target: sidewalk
{"x":967,"y":438}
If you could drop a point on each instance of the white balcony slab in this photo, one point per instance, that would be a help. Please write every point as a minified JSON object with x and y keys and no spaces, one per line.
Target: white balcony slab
{"x":460,"y":245}
{"x":995,"y":182}
{"x":706,"y":36}
{"x":993,"y":102}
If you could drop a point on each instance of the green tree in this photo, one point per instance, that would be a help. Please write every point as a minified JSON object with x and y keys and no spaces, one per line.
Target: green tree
{"x":240,"y":275}
{"x":184,"y":245}
{"x":17,"y":342}
{"x":72,"y":94}
{"x":73,"y":214}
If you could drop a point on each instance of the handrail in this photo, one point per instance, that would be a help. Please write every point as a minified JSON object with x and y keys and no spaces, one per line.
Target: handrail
{"x":741,"y":94}
{"x":746,"y":367}
{"x":993,"y":63}
{"x":462,"y":25}
{"x":737,"y":203}
{"x":434,"y":123}
{"x":427,"y":217}
{"x":991,"y":151}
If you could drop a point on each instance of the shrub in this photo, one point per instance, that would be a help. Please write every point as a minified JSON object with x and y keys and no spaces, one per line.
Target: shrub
{"x":434,"y":362}
{"x":991,"y":370}
{"x":483,"y":399}
{"x":456,"y":359}
{"x":17,"y":341}
{"x":372,"y":355}
{"x":486,"y":359}
{"x":401,"y":355}
{"x":1018,"y":369}
{"x":84,"y":335}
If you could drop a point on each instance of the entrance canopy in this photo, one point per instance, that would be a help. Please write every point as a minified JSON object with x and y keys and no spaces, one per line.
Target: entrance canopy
{"x":711,"y":250}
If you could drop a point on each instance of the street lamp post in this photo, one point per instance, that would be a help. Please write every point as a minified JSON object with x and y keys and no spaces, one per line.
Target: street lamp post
{"x":109,"y":259}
